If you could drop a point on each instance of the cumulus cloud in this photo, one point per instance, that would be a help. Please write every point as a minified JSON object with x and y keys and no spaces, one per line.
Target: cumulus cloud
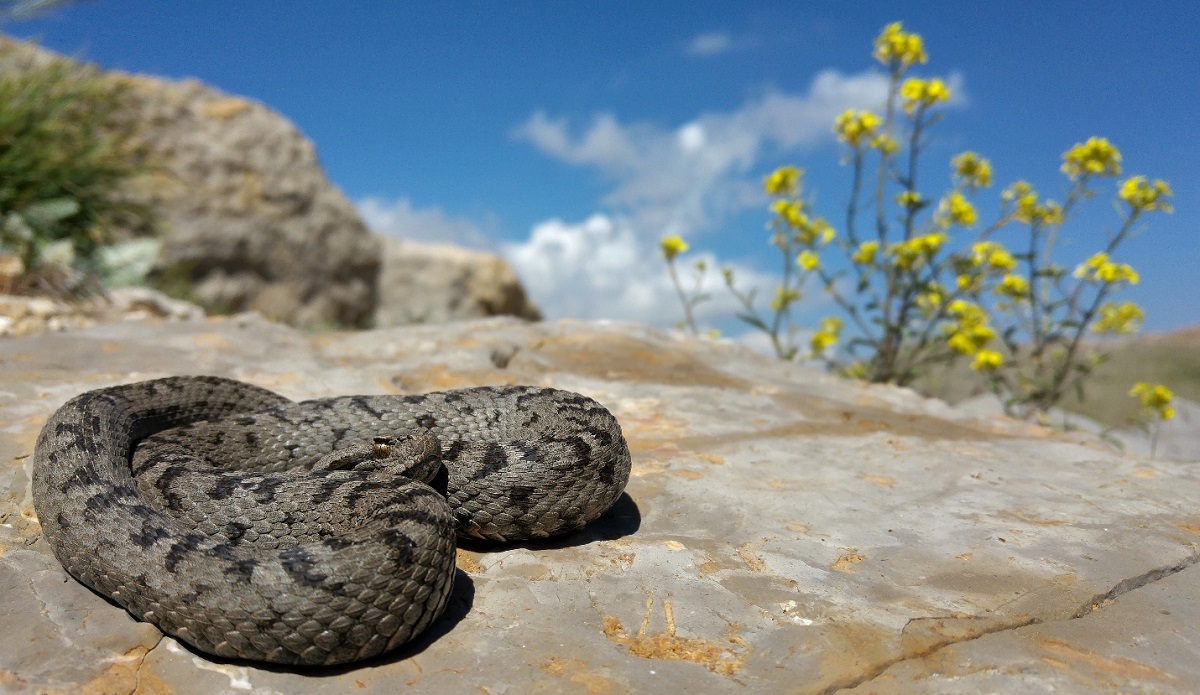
{"x":400,"y":219}
{"x":710,"y":44}
{"x":678,"y":180}
{"x":603,"y":268}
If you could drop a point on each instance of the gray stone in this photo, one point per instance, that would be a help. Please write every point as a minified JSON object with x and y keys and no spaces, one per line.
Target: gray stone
{"x":784,"y":530}
{"x":435,"y":283}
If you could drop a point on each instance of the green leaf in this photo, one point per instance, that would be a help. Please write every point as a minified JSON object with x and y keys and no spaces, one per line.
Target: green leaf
{"x":45,"y":213}
{"x":16,"y":228}
{"x":754,"y":321}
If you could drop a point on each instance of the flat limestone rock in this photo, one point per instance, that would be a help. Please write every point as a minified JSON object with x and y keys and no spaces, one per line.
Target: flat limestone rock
{"x":783,"y":530}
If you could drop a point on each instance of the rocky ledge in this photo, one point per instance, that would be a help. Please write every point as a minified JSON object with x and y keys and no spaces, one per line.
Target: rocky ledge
{"x":783,"y":531}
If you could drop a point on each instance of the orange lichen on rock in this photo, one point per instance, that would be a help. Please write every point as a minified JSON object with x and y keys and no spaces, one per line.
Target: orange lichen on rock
{"x":723,"y":659}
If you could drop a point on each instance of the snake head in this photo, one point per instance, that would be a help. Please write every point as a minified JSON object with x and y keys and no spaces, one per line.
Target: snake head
{"x":414,"y":456}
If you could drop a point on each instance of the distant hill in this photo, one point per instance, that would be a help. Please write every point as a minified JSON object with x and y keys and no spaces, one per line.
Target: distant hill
{"x":1171,"y":358}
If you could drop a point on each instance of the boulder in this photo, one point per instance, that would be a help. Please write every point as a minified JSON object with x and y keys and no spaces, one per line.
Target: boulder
{"x":783,"y":531}
{"x":251,"y":221}
{"x":435,"y":283}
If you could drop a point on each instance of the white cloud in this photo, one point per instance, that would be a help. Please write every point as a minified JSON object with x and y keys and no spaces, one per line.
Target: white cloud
{"x":664,"y":181}
{"x":679,"y":180}
{"x":400,"y":219}
{"x":602,"y":268}
{"x":710,"y":44}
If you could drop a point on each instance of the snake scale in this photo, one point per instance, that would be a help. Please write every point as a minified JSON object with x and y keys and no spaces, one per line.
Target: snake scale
{"x":251,"y":526}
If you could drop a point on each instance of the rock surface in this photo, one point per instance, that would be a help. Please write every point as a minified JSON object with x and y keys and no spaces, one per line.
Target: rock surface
{"x":783,"y":531}
{"x":435,"y":283}
{"x":251,"y":220}
{"x":24,"y":315}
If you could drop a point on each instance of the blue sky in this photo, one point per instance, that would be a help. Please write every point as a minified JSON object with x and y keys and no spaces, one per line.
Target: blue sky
{"x":569,"y":137}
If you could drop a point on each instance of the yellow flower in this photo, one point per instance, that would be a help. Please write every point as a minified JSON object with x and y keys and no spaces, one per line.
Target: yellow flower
{"x":969,"y":283}
{"x":921,"y":94}
{"x":1098,"y":267}
{"x":808,"y":260}
{"x":827,"y":233}
{"x":1120,"y":319}
{"x":1049,"y":214}
{"x":783,"y":297}
{"x":897,"y":48}
{"x":987,"y":360}
{"x":972,"y":170}
{"x":672,"y":246}
{"x":1014,"y":286}
{"x":1088,"y":268}
{"x":959,"y":209}
{"x":908,"y":199}
{"x":812,"y":230}
{"x":968,"y":314}
{"x":970,"y":333}
{"x":853,"y":126}
{"x":790,"y":212}
{"x":783,"y":181}
{"x":885,"y":143}
{"x":970,"y":339}
{"x":913,"y":252}
{"x":1117,"y":272}
{"x":1143,"y":195}
{"x":1023,"y":197}
{"x":929,"y":300}
{"x":1026,"y":207}
{"x":1154,"y":397}
{"x":992,"y":255}
{"x":1096,"y":157}
{"x":930,"y":243}
{"x":826,"y":335}
{"x":865,"y":253}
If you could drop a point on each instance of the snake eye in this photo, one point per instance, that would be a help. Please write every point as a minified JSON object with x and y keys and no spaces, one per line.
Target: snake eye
{"x":381,"y":447}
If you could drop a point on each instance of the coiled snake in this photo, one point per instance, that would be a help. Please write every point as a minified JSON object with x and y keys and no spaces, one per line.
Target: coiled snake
{"x":307,"y":533}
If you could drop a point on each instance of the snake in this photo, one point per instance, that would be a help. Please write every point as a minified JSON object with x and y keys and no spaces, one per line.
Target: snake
{"x":320,"y":532}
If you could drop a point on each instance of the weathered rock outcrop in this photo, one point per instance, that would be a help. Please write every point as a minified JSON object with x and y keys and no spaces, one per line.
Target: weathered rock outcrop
{"x":252,"y":223}
{"x":783,"y":530}
{"x":251,"y":220}
{"x":435,"y":283}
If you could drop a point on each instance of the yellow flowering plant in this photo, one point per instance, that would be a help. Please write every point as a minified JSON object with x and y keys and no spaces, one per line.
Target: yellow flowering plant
{"x":925,"y":281}
{"x":671,"y":247}
{"x":799,"y":235}
{"x":1050,"y":317}
{"x":1155,"y":400}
